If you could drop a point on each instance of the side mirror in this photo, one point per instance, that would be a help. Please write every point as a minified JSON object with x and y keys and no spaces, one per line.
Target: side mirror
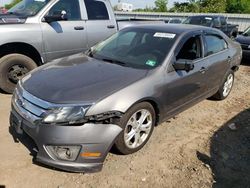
{"x":182,"y":64}
{"x":56,"y":17}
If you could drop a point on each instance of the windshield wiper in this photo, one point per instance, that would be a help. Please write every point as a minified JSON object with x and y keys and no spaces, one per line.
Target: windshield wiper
{"x":114,"y":61}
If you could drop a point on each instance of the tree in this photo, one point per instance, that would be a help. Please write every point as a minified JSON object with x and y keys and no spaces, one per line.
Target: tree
{"x":13,"y":3}
{"x":161,"y":5}
{"x":213,"y":6}
{"x":191,"y":6}
{"x":146,"y":9}
{"x":238,"y":6}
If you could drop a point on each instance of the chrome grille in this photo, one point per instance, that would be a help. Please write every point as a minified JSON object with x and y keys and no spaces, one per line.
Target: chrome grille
{"x":28,"y":106}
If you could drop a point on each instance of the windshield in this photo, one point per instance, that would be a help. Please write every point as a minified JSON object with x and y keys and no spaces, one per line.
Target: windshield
{"x":247,"y":32}
{"x":28,"y":7}
{"x":205,"y":21}
{"x":140,"y":48}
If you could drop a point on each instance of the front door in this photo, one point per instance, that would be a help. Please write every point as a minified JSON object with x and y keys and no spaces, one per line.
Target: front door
{"x":186,"y":88}
{"x":63,"y":38}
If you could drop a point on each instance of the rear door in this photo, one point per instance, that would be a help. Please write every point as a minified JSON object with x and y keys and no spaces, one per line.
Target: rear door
{"x":101,"y":22}
{"x":63,"y":38}
{"x":218,"y":59}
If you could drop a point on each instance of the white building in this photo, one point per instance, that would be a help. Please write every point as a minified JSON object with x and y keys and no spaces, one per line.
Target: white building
{"x":125,"y":7}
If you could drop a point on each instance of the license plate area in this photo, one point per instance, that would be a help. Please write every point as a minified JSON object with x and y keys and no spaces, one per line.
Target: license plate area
{"x":16,"y":122}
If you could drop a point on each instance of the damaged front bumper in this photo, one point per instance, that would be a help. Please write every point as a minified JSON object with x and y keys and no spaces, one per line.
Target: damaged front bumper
{"x":70,"y":148}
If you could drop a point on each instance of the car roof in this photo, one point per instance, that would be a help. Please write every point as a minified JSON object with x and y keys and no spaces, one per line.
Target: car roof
{"x":211,"y":16}
{"x":172,"y":28}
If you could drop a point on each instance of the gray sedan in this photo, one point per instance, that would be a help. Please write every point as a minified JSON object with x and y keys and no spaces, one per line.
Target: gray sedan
{"x":77,"y":108}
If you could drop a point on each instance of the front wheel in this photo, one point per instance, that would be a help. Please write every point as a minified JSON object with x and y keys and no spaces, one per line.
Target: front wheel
{"x":137,"y":124}
{"x":12,"y":68}
{"x":226,"y":87}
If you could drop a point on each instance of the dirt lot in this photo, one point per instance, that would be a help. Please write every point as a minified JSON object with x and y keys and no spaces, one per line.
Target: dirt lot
{"x":205,"y":146}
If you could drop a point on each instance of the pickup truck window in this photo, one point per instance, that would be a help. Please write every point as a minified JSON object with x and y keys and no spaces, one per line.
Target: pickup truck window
{"x":223,"y":21}
{"x":96,"y":10}
{"x":28,"y":7}
{"x":214,"y":44}
{"x":196,"y":20}
{"x":71,"y":7}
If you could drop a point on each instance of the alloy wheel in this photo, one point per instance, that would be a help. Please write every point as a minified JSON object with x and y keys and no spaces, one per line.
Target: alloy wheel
{"x":228,"y":85}
{"x":138,"y":128}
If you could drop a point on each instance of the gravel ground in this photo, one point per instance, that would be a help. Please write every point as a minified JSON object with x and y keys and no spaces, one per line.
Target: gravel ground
{"x":208,"y":145}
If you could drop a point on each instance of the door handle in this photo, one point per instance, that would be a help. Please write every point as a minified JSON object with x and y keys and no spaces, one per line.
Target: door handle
{"x":110,"y":26}
{"x":78,"y":28}
{"x":203,"y":70}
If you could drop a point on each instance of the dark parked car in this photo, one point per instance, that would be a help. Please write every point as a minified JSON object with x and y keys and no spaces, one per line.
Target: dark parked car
{"x":173,"y":21}
{"x":244,"y":40}
{"x":218,"y":22}
{"x":77,"y":108}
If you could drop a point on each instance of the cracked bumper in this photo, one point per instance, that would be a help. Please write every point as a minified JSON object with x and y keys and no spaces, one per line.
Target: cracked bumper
{"x":90,"y":137}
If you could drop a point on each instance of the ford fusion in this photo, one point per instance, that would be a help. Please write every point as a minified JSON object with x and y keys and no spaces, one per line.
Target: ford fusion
{"x":77,"y":108}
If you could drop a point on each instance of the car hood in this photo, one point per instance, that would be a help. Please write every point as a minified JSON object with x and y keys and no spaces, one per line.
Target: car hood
{"x":11,"y":19}
{"x":79,"y":79}
{"x":243,"y":39}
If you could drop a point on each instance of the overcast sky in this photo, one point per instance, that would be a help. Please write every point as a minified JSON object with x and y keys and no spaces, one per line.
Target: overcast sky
{"x":136,"y":3}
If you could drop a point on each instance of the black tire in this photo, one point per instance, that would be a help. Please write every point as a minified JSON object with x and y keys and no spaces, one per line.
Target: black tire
{"x":120,"y":144}
{"x":221,"y":95}
{"x":12,"y":68}
{"x":233,"y":35}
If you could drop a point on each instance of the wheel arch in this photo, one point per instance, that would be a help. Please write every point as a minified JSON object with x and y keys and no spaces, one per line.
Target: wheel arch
{"x":21,"y":48}
{"x":155,"y":104}
{"x":235,"y":68}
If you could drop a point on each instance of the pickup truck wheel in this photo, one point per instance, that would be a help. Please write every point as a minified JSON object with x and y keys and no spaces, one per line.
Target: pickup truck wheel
{"x":12,"y":68}
{"x":137,"y":124}
{"x":226,"y":87}
{"x":233,"y":36}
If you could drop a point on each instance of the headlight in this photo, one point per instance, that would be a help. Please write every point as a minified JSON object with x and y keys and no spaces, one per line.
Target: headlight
{"x":68,"y":115}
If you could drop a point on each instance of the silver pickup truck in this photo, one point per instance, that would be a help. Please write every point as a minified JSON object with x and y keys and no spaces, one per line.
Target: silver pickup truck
{"x":37,"y":31}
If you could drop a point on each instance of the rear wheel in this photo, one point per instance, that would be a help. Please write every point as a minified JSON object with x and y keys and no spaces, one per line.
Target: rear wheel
{"x":137,"y":124}
{"x":12,"y":68}
{"x":226,"y":87}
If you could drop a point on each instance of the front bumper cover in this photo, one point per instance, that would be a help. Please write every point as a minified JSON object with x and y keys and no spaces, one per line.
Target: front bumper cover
{"x":91,"y":137}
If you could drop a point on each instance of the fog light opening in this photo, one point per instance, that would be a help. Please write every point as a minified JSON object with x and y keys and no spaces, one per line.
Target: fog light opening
{"x":68,"y":153}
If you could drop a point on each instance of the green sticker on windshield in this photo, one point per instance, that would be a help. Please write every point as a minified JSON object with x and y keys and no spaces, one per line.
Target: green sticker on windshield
{"x":151,"y":63}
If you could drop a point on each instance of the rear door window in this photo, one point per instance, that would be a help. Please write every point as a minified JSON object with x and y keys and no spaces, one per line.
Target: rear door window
{"x":214,"y":44}
{"x":96,"y":10}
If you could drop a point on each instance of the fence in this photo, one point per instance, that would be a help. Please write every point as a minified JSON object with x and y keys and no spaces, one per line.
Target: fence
{"x":243,"y":20}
